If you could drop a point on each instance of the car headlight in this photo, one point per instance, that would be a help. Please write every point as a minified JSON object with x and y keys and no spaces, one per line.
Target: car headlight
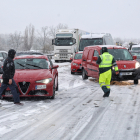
{"x":45,"y":81}
{"x":137,"y":65}
{"x":75,"y":64}
{"x":1,"y":80}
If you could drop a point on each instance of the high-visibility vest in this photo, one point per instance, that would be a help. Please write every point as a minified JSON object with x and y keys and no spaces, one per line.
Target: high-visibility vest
{"x":106,"y":60}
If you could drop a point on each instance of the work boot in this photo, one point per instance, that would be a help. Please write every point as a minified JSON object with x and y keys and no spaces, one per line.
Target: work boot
{"x":106,"y":94}
{"x":19,"y":103}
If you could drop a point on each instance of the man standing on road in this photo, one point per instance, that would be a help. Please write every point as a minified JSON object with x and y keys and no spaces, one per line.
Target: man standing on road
{"x":8,"y":74}
{"x":105,"y":62}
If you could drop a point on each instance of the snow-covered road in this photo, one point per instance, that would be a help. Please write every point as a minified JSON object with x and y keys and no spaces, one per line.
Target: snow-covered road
{"x":79,"y":112}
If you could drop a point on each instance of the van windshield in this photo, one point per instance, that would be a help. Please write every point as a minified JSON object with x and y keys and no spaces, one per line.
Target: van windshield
{"x":89,"y":42}
{"x":135,"y":48}
{"x":120,"y":54}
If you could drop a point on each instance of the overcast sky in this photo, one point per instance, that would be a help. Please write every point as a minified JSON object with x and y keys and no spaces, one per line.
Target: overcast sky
{"x":121,"y":18}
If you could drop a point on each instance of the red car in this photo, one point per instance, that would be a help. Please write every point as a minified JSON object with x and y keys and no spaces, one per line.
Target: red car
{"x":76,"y":63}
{"x":34,"y":76}
{"x":129,"y":68}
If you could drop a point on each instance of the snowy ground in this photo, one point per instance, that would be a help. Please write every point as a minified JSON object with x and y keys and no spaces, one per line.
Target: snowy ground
{"x":79,"y":112}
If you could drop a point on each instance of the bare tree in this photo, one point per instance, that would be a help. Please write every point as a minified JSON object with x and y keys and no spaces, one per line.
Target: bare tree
{"x":43,"y":39}
{"x":29,"y":35}
{"x":53,"y":30}
{"x":15,"y":40}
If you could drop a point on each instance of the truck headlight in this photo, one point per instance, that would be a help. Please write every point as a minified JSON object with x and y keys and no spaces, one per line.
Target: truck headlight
{"x":137,"y":65}
{"x":75,"y":64}
{"x":113,"y":68}
{"x":1,"y":81}
{"x":45,"y":81}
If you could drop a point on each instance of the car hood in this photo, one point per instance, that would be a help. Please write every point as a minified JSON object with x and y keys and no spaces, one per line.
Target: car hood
{"x":32,"y":74}
{"x":126,"y":64}
{"x":78,"y":61}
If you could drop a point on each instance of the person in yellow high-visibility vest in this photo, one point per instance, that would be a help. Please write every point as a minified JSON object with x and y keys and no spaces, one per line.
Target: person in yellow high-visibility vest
{"x":105,"y":62}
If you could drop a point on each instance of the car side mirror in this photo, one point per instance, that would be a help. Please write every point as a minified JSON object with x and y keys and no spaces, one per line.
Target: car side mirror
{"x":71,"y":59}
{"x":55,"y":66}
{"x":53,"y":41}
{"x":74,"y":40}
{"x":134,"y":57}
{"x":95,"y":58}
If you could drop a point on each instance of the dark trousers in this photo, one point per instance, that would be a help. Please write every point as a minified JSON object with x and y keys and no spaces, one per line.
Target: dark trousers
{"x":13,"y":88}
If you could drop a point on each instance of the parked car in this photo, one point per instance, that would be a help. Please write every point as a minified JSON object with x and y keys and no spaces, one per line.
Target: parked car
{"x":136,"y":53}
{"x":129,"y":68}
{"x":135,"y":48}
{"x":28,"y":53}
{"x":3,"y":56}
{"x":76,"y":63}
{"x":35,"y":76}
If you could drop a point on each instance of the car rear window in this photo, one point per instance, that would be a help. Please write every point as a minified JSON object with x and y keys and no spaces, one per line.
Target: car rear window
{"x":120,"y":54}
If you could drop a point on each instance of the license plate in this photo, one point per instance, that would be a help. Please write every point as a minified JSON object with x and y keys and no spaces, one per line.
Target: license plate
{"x":40,"y":87}
{"x":126,"y":73}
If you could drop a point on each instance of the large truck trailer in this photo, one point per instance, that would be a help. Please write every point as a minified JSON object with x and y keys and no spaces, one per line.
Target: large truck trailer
{"x":66,"y":43}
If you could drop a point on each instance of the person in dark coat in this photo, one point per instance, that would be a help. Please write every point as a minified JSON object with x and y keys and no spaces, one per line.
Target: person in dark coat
{"x":8,"y":74}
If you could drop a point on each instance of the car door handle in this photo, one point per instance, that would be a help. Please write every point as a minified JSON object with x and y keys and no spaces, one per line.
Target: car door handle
{"x":91,"y":64}
{"x":84,"y":60}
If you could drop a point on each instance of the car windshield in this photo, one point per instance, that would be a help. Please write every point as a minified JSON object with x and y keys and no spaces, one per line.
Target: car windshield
{"x":120,"y":54}
{"x":89,"y":42}
{"x":78,"y":56}
{"x":31,"y":63}
{"x":19,"y":54}
{"x":135,"y":48}
{"x":136,"y":54}
{"x":64,"y":41}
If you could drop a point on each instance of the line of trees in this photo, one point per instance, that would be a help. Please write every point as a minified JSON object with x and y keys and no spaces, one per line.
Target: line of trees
{"x":40,"y":40}
{"x":31,"y":39}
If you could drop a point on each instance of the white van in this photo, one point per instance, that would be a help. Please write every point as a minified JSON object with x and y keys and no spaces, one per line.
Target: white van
{"x":95,"y":39}
{"x":135,"y":48}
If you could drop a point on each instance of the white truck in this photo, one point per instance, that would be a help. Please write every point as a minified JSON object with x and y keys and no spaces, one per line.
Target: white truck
{"x":95,"y":39}
{"x":66,"y":43}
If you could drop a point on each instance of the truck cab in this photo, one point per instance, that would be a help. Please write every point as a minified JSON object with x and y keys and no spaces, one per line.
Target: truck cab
{"x":66,"y":43}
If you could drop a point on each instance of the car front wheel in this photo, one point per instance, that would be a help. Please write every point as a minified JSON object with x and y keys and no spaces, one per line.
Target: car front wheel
{"x":136,"y":82}
{"x":72,"y":72}
{"x":84,"y":76}
{"x":57,"y":85}
{"x":53,"y":91}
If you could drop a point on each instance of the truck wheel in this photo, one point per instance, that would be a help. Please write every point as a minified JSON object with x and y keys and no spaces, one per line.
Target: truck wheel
{"x":72,"y":72}
{"x":136,"y":82}
{"x":84,"y":76}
